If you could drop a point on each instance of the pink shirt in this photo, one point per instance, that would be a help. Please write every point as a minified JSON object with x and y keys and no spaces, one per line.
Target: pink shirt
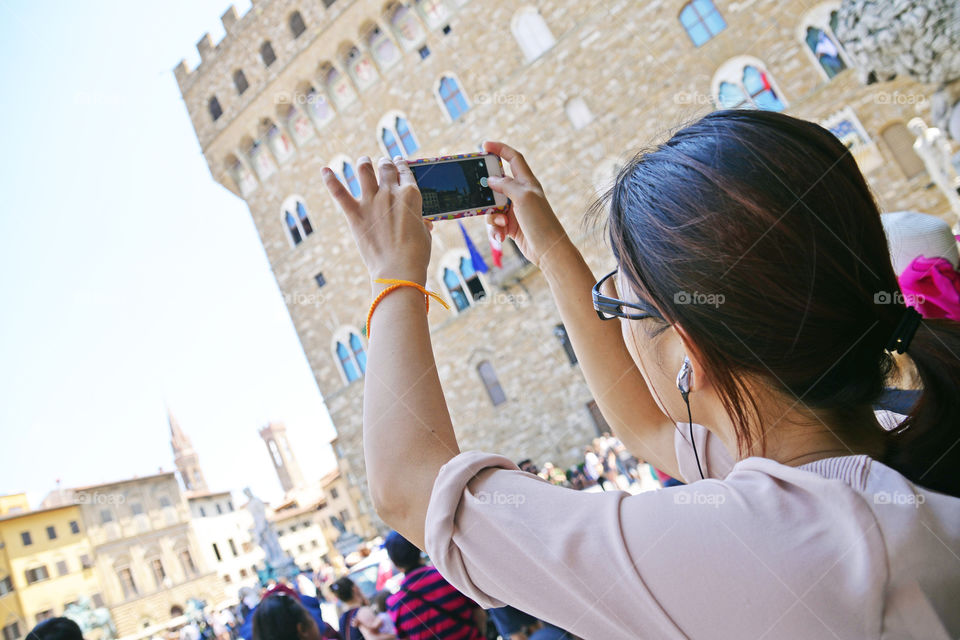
{"x":842,"y":547}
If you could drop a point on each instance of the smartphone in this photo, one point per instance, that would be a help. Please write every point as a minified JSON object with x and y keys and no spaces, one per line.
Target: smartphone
{"x":456,"y":186}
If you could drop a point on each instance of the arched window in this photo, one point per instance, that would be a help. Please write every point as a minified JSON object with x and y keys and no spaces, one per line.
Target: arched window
{"x":350,"y":353}
{"x":240,"y":81}
{"x":277,"y":140}
{"x":491,"y":382}
{"x":701,"y":20}
{"x":818,"y":31}
{"x":384,"y":51}
{"x":297,"y":219}
{"x":452,"y":98}
{"x":297,"y":25}
{"x":338,"y":86}
{"x":390,"y":143}
{"x":260,"y":158}
{"x":297,"y":124}
{"x":900,"y":141}
{"x":434,"y":12}
{"x":531,"y":32}
{"x":461,"y":280}
{"x":745,"y":83}
{"x":214,"y":107}
{"x":267,"y":54}
{"x":344,"y":170}
{"x":318,"y":107}
{"x":241,"y":174}
{"x":578,"y":112}
{"x":360,"y":68}
{"x":396,"y":136}
{"x":406,"y":136}
{"x":405,"y":25}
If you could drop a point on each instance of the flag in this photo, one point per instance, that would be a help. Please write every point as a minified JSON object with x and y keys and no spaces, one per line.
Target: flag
{"x":478,"y":264}
{"x":496,"y":247}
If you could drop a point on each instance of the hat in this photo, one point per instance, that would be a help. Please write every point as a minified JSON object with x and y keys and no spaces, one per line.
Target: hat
{"x":911,"y":235}
{"x":403,"y":553}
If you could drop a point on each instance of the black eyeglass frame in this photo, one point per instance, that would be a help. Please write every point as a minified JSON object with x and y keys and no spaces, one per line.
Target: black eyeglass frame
{"x":613,"y":306}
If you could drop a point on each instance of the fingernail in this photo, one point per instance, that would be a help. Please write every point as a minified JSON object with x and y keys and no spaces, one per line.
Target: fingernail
{"x":398,"y":158}
{"x":384,"y":160}
{"x":363,"y":159}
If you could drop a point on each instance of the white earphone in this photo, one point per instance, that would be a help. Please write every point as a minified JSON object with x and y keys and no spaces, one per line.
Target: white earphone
{"x":685,"y":377}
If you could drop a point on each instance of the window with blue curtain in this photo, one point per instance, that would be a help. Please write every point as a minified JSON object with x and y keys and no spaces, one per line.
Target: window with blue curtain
{"x":730,"y":96}
{"x":358,"y":351}
{"x":293,"y":228}
{"x":760,"y":90}
{"x":304,"y":219}
{"x":452,"y":98}
{"x":390,"y":142}
{"x":701,"y":20}
{"x":825,"y":49}
{"x":350,"y":177}
{"x":453,"y":285}
{"x":346,"y":362}
{"x":472,"y":279}
{"x":406,"y":137}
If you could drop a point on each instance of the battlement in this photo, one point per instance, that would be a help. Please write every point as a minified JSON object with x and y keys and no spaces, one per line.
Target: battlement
{"x":233,"y":24}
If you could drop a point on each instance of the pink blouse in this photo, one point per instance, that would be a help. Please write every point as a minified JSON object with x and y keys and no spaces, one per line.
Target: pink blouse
{"x":843,"y":547}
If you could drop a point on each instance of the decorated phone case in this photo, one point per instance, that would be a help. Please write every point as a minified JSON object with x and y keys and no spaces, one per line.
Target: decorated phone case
{"x":470,"y":212}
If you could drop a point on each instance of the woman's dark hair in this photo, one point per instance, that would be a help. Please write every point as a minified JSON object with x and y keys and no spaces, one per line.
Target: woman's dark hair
{"x":757,"y":233}
{"x":277,"y":618}
{"x":343,"y":589}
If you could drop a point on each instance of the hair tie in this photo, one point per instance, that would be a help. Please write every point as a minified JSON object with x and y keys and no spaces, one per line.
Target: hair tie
{"x":903,"y":334}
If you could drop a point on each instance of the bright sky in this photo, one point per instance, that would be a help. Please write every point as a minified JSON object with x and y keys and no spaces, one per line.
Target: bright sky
{"x":128,"y":277}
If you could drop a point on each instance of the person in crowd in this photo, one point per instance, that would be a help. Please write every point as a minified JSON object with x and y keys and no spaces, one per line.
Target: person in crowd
{"x":56,"y":629}
{"x":247,"y":629}
{"x":739,"y":339}
{"x":280,"y":616}
{"x":528,"y":466}
{"x":592,"y":467}
{"x":426,"y":606}
{"x":353,"y":599}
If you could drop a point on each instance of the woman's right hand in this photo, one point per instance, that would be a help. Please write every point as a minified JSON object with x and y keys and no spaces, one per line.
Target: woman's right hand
{"x":529,"y":220}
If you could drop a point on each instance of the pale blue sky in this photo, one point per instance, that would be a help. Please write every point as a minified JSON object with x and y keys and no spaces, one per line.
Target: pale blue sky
{"x":128,"y":278}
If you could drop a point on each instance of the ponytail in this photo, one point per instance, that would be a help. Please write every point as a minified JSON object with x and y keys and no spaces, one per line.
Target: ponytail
{"x":926,"y":446}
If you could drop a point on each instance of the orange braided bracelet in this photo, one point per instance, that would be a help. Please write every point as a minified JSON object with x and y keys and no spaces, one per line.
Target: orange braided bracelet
{"x":394,"y":285}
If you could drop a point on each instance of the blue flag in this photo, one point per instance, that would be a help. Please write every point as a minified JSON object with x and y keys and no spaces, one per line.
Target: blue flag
{"x":478,"y":264}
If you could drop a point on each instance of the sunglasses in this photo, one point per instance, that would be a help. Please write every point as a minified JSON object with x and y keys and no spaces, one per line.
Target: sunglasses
{"x":609,"y":308}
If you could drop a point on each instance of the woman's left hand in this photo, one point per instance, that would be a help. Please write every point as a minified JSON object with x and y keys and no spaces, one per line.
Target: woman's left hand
{"x":386,"y":220}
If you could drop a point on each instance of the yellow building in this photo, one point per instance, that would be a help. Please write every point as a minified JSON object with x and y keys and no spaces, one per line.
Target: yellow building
{"x":343,"y":505}
{"x":46,"y":564}
{"x":15,"y":503}
{"x":145,"y":549}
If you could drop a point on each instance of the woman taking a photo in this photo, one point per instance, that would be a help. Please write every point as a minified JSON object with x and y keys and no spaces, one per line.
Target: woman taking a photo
{"x":753,"y":295}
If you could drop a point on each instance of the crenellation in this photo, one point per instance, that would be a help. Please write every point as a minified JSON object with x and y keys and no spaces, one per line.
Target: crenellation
{"x":205,"y":47}
{"x":229,"y":20}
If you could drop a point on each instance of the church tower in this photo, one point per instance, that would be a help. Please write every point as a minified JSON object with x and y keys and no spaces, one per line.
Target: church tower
{"x":185,"y":458}
{"x":275,"y":437}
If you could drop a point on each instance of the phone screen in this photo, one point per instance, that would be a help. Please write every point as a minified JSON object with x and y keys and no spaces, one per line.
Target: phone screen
{"x":453,"y":186}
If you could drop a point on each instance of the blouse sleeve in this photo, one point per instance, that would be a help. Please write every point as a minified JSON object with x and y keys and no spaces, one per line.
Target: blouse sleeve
{"x":660,"y":564}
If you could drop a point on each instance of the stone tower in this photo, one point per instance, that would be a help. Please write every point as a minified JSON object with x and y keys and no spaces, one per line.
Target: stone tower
{"x":281,"y":454}
{"x":185,"y":458}
{"x":576,"y":85}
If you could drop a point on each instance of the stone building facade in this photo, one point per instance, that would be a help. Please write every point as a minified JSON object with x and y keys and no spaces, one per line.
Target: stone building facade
{"x":576,"y":86}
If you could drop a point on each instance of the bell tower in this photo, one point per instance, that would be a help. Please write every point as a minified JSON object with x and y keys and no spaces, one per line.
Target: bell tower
{"x":275,"y":437}
{"x":185,"y":458}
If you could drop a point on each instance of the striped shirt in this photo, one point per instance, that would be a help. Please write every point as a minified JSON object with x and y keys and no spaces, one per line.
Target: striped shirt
{"x":418,"y":620}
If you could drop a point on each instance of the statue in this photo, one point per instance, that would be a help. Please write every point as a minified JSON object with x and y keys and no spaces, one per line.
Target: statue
{"x":267,"y":538}
{"x":932,"y":147}
{"x":90,"y":619}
